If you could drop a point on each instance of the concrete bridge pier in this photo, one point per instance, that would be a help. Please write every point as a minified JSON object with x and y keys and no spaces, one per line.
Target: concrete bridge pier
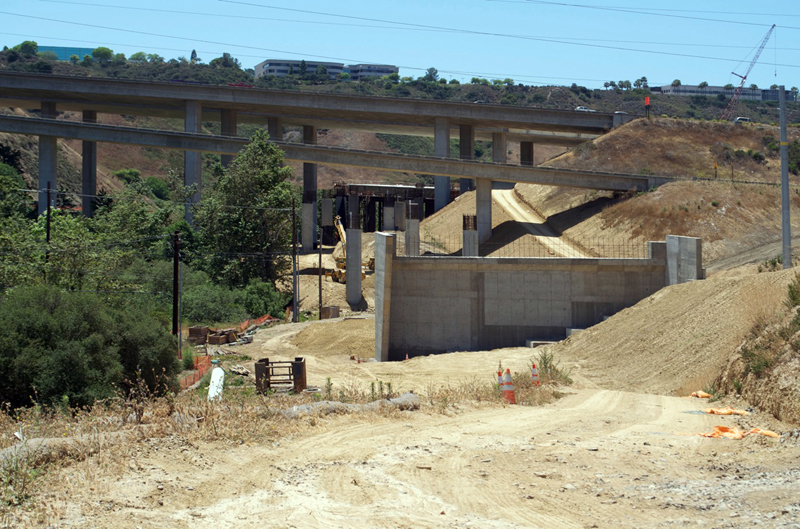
{"x":327,"y":222}
{"x":441,"y":148}
{"x":400,"y":215}
{"x":88,"y":168}
{"x":466,"y":147}
{"x":388,"y":214}
{"x":412,"y":227}
{"x":275,"y":129}
{"x":229,"y":127}
{"x":470,"y":246}
{"x":370,"y":214}
{"x":353,"y":260}
{"x":526,"y":153}
{"x":483,"y":209}
{"x":48,"y":166}
{"x":192,"y":160}
{"x":308,"y":227}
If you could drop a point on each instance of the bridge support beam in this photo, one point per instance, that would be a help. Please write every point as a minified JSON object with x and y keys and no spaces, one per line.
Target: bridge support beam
{"x":192,"y":160}
{"x":308,"y":228}
{"x":88,"y":168}
{"x":466,"y":147}
{"x":229,"y":126}
{"x":48,"y":149}
{"x":441,"y":148}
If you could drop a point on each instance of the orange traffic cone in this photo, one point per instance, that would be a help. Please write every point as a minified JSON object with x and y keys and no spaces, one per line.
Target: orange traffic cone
{"x":508,"y":388}
{"x":500,"y":380}
{"x":534,"y":375}
{"x":406,"y":356}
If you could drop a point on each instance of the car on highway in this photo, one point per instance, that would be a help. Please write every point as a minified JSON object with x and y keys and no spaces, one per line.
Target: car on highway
{"x":584,"y":109}
{"x":742,"y":120}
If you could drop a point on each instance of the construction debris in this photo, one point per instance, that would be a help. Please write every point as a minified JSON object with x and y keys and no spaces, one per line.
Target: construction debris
{"x":405,"y":402}
{"x":240,"y":370}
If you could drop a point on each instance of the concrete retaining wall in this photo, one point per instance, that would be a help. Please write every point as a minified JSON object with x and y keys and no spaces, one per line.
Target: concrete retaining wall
{"x":426,"y":305}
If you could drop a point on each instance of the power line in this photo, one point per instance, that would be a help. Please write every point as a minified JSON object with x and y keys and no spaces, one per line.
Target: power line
{"x":636,"y":11}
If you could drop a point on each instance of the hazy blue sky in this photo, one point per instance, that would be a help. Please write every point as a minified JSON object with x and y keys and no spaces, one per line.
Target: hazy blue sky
{"x":535,"y":42}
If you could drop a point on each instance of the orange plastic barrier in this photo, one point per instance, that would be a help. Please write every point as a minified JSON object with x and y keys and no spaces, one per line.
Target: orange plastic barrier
{"x":725,"y":411}
{"x":258,"y":321}
{"x":733,"y":433}
{"x":201,"y":365}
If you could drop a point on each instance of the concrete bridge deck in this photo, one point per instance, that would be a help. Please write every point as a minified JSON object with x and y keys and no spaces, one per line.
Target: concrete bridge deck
{"x":383,"y":161}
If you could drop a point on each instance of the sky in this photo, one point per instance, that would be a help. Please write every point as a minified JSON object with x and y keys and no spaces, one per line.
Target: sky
{"x":534,"y":42}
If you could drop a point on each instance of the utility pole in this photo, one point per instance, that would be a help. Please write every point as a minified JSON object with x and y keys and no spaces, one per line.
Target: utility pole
{"x":785,"y":201}
{"x":294,"y":263}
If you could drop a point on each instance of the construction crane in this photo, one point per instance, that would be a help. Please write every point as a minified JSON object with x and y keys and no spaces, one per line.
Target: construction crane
{"x":728,"y":112}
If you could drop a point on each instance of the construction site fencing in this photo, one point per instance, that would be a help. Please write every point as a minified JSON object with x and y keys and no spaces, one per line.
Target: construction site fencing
{"x":201,"y":366}
{"x":537,"y":246}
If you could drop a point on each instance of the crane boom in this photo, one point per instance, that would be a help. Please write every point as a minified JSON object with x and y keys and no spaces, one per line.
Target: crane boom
{"x":728,"y":112}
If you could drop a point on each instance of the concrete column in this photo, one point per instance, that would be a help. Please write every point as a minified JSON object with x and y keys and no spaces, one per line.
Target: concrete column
{"x":483,"y":209}
{"x":466,"y":147}
{"x":441,"y":147}
{"x":229,"y":122}
{"x":192,"y":161}
{"x":88,"y":168}
{"x":400,"y":215}
{"x":470,"y":246}
{"x":526,"y":153}
{"x":48,"y":161}
{"x":499,"y":147}
{"x":684,"y":259}
{"x":353,"y":260}
{"x":412,"y":227}
{"x":275,"y":128}
{"x":385,"y":250}
{"x":327,"y":222}
{"x":309,"y":225}
{"x":388,"y":215}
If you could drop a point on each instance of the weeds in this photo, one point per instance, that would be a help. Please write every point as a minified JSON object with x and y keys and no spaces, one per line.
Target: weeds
{"x":550,"y":370}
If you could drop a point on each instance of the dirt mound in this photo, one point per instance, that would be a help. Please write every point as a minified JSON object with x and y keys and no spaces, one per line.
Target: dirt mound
{"x":341,"y":338}
{"x":677,"y":340}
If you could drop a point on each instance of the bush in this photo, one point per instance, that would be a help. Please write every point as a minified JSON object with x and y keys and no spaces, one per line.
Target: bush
{"x":260,"y":298}
{"x":212,"y":303}
{"x":72,"y":346}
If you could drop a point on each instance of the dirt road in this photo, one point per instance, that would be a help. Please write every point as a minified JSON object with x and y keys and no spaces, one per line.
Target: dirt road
{"x":533,"y":223}
{"x":595,"y":458}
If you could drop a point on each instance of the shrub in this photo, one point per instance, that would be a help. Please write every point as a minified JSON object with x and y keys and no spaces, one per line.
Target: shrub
{"x":60,"y":345}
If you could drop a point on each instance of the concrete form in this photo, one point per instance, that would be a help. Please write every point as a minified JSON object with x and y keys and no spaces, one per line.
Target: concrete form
{"x":440,"y":304}
{"x":470,"y":245}
{"x":413,"y":219}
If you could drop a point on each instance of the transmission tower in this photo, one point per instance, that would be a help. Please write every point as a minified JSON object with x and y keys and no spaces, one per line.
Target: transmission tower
{"x":728,"y":112}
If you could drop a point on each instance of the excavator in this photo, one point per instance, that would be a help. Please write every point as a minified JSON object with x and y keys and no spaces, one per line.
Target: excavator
{"x":339,"y":274}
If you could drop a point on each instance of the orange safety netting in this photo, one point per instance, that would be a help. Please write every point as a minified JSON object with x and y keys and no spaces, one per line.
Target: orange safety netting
{"x":201,"y":364}
{"x":258,"y":321}
{"x":725,"y":411}
{"x":733,"y":433}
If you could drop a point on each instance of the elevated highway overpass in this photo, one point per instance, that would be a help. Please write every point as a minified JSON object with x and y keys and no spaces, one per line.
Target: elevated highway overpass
{"x":232,"y":105}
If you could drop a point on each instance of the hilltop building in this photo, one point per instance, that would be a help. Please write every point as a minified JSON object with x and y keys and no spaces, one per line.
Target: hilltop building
{"x":282,"y":67}
{"x":65,"y":52}
{"x":748,"y":94}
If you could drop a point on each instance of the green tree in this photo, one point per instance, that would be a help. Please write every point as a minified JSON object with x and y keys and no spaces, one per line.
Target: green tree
{"x":155,"y":58}
{"x":606,"y":85}
{"x":431,"y":75}
{"x":74,"y":59}
{"x":87,"y":60}
{"x":773,"y":87}
{"x":322,"y":71}
{"x":139,"y":56}
{"x":702,"y":86}
{"x":344,"y":76}
{"x":753,"y":86}
{"x":676,"y":83}
{"x":245,"y":213}
{"x":27,"y":47}
{"x":226,"y":61}
{"x":102,"y":54}
{"x":303,"y":68}
{"x":728,"y":87}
